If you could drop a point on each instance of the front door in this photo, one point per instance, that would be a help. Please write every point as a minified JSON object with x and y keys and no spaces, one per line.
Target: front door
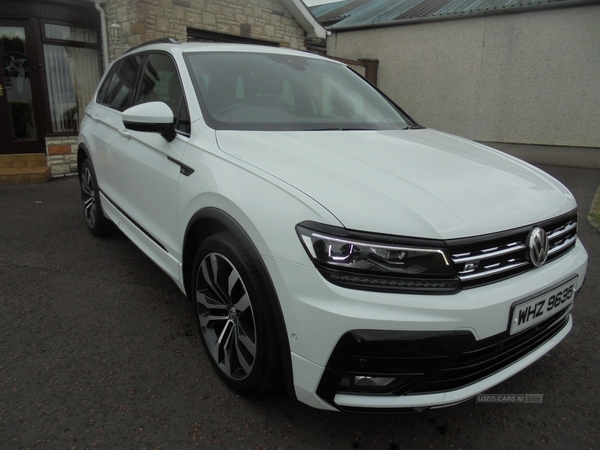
{"x":20,"y":121}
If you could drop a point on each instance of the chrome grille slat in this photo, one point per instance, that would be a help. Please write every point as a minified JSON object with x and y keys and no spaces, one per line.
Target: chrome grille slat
{"x":562,"y":230}
{"x":514,"y":247}
{"x":489,"y":250}
{"x":565,"y":244}
{"x":492,"y":272}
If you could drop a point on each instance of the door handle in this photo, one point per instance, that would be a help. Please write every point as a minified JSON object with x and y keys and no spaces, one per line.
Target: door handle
{"x":125,"y":134}
{"x":95,"y":118}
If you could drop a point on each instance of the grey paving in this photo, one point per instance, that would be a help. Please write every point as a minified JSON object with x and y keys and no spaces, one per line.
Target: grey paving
{"x":98,"y":349}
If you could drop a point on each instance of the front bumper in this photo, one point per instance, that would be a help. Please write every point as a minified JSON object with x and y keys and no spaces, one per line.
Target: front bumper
{"x":424,"y":364}
{"x":438,"y":350}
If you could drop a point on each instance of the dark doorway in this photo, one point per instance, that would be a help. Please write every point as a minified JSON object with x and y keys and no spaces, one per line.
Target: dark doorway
{"x":20,"y":118}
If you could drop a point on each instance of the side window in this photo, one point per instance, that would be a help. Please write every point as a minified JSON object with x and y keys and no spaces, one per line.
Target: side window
{"x":160,"y":82}
{"x":118,"y":85}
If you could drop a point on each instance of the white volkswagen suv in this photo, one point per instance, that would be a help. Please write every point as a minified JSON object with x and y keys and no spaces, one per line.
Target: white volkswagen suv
{"x":327,"y":240}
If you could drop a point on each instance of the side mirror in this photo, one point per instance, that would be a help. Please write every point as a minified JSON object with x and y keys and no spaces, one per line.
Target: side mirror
{"x":151,"y":117}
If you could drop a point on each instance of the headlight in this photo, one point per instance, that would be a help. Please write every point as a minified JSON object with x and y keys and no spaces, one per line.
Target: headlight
{"x":376,"y":262}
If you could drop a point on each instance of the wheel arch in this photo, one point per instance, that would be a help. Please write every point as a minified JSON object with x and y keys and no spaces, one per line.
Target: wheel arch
{"x":211,"y":220}
{"x":82,"y":155}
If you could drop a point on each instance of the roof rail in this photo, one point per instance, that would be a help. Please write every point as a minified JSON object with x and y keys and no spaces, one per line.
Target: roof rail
{"x":168,"y":40}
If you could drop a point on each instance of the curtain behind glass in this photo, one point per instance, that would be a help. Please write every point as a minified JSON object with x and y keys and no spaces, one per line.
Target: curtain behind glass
{"x":68,"y":33}
{"x":72,"y":75}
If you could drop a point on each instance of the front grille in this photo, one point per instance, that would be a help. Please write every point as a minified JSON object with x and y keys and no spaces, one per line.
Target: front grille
{"x":491,"y":258}
{"x":491,"y":355}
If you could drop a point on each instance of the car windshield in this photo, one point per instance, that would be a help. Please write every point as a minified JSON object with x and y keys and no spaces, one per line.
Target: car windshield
{"x":261,"y":91}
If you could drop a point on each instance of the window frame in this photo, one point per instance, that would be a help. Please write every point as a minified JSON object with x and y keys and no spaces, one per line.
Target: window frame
{"x":47,"y":110}
{"x":66,"y":42}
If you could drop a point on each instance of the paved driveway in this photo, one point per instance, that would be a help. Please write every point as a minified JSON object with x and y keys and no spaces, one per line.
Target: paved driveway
{"x":98,"y":348}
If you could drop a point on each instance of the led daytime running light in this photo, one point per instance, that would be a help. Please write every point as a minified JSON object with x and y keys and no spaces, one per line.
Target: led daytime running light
{"x":309,"y":245}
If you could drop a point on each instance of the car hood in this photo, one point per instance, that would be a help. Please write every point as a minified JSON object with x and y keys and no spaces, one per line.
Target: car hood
{"x":419,"y":183}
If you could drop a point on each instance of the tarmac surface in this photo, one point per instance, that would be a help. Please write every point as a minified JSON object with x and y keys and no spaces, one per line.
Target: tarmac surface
{"x":99,"y":349}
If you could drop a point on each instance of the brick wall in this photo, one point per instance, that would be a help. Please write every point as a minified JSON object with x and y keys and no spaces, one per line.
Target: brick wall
{"x":61,"y":155}
{"x":144,"y":20}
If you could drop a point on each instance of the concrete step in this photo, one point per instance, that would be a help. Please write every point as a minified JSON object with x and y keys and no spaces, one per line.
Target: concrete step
{"x":24,"y":169}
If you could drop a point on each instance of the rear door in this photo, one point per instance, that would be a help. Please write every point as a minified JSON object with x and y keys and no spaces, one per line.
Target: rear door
{"x":115,"y":95}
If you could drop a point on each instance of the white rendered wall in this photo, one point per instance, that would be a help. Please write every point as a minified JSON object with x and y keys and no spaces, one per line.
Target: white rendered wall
{"x":531,"y":78}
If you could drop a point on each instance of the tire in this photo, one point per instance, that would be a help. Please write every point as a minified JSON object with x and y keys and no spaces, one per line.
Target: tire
{"x":95,"y":219}
{"x":234,"y":316}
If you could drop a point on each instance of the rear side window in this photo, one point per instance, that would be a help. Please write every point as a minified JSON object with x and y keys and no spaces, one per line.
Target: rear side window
{"x":118,"y":86}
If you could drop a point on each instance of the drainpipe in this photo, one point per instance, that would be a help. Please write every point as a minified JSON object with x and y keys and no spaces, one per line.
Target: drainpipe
{"x":104,"y":34}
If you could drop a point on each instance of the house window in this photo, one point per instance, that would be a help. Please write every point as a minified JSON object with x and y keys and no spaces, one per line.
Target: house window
{"x":72,"y":60}
{"x":66,"y":33}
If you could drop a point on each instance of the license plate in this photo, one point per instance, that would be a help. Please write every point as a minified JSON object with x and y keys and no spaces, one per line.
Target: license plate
{"x":533,"y":311}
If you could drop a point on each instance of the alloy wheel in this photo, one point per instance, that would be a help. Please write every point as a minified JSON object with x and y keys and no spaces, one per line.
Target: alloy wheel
{"x":226,"y":317}
{"x":88,"y":195}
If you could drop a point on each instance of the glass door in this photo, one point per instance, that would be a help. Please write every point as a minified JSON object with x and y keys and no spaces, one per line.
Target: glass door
{"x":19,"y":105}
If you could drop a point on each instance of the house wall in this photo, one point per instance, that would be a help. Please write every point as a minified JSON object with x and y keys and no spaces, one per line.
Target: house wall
{"x":531,"y":78}
{"x":144,"y":20}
